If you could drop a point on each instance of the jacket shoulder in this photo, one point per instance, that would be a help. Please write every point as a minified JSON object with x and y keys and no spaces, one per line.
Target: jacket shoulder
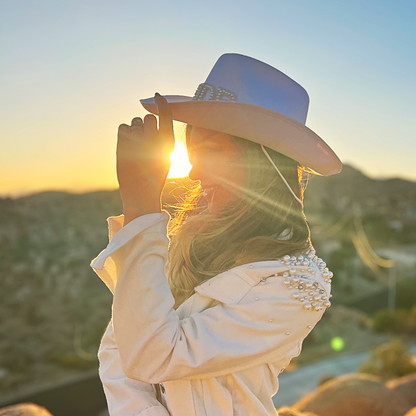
{"x":304,"y":279}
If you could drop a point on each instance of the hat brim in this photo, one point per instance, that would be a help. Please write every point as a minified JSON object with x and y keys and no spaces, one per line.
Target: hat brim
{"x":259,"y":124}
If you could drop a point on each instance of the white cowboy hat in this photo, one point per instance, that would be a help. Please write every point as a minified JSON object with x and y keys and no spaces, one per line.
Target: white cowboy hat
{"x":248,"y":98}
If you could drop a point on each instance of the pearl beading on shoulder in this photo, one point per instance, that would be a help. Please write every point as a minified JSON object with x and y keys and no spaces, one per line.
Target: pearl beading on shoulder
{"x":304,"y":289}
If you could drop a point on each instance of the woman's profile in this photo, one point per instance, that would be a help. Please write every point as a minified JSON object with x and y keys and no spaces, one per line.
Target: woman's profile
{"x":211,"y":304}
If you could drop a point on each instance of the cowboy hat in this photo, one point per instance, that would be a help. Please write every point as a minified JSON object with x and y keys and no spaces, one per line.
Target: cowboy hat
{"x":248,"y":98}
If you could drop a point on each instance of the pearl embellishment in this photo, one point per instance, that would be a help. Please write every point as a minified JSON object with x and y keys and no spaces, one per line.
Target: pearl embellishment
{"x":315,"y":299}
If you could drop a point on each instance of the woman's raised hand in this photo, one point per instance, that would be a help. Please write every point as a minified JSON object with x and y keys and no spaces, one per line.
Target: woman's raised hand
{"x":143,"y":160}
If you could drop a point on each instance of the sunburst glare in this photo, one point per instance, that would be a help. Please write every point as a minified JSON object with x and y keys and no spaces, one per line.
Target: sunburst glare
{"x":180,"y":166}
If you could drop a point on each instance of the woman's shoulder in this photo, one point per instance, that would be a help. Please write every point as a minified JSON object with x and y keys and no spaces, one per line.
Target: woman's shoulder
{"x":308,"y":264}
{"x":304,"y":278}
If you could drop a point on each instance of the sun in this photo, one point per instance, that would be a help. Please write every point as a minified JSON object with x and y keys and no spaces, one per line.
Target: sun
{"x":180,"y":165}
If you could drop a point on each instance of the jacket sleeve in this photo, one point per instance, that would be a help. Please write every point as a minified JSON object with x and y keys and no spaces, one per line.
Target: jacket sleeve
{"x":156,"y":345}
{"x":125,"y":396}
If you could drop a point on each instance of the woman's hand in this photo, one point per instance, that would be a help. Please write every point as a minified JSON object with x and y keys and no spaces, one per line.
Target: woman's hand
{"x":143,"y":161}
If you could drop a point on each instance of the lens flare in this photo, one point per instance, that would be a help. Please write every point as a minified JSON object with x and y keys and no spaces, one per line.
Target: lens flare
{"x":337,"y":344}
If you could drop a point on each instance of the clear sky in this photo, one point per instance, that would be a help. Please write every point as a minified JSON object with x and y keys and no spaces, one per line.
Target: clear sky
{"x":72,"y":71}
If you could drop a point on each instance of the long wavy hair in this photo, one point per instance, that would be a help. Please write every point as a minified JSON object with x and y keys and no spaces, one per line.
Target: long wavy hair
{"x":204,"y":243}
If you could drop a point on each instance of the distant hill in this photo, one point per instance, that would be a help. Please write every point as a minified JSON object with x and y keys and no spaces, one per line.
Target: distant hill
{"x":349,"y":185}
{"x":394,"y":197}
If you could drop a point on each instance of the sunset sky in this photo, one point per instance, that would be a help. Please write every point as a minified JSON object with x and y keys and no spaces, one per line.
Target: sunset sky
{"x":71,"y":72}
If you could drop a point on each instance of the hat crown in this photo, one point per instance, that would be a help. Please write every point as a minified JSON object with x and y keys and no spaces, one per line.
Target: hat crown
{"x":243,"y":79}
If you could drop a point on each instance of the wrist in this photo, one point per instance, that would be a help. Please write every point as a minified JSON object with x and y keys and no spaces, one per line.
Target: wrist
{"x":132,"y":212}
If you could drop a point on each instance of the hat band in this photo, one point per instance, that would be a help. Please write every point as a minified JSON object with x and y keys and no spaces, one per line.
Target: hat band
{"x":215,"y":94}
{"x":280,"y":173}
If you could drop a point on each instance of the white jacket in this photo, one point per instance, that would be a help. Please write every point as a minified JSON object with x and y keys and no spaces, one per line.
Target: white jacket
{"x":221,"y":351}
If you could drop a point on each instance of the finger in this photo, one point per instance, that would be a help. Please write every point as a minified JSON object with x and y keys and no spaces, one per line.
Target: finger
{"x":165,"y":117}
{"x":124,"y":142}
{"x":150,"y":125}
{"x":123,"y":131}
{"x":137,"y":122}
{"x":136,"y":128}
{"x":166,"y":135}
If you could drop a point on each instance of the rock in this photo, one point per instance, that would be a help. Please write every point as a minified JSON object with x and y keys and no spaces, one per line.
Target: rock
{"x":405,"y":386}
{"x":354,"y":394}
{"x":24,"y":409}
{"x":324,"y":378}
{"x":288,"y":411}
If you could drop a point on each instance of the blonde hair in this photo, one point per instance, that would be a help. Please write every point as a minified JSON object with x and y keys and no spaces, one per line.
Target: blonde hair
{"x":204,"y":243}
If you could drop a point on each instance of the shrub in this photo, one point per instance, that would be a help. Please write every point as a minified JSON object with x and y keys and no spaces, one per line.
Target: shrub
{"x":405,"y":292}
{"x":401,"y":321}
{"x":390,"y":360}
{"x":71,"y":360}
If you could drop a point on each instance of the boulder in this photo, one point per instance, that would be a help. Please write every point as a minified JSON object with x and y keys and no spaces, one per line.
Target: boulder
{"x":324,"y":378}
{"x":405,"y":386}
{"x":24,"y":409}
{"x":354,"y":394}
{"x":288,"y":411}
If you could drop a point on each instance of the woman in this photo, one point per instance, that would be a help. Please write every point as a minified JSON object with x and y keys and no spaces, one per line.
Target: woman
{"x":206,"y":315}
